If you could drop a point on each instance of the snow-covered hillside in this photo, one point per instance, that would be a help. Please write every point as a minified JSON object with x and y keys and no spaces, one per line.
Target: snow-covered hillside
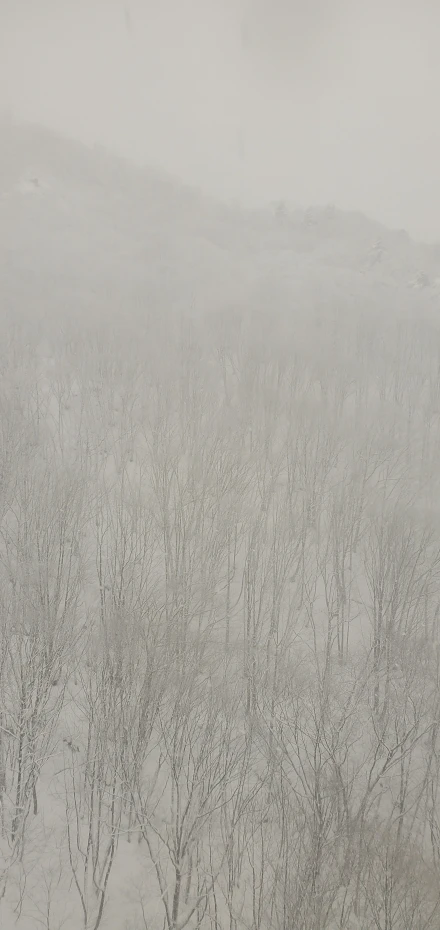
{"x":219,"y":558}
{"x":79,"y":226}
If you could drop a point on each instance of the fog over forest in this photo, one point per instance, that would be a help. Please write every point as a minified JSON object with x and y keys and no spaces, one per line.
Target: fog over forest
{"x":219,"y":465}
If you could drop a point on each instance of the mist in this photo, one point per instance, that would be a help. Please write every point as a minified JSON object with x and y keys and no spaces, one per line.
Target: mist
{"x":219,"y":465}
{"x":250,"y":100}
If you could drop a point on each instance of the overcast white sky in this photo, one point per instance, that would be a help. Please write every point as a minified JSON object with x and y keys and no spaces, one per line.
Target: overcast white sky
{"x":311,"y":100}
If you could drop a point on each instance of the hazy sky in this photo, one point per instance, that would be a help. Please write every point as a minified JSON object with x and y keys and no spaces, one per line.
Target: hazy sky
{"x":311,"y":100}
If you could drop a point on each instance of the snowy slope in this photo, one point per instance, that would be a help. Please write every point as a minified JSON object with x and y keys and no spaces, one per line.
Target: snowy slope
{"x":219,"y":463}
{"x":87,"y":229}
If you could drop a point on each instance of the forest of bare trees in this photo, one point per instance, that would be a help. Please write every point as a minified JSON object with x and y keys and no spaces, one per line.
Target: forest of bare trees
{"x":219,"y":613}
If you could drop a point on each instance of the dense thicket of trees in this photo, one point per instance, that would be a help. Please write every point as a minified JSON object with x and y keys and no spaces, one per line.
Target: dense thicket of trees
{"x":219,"y":609}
